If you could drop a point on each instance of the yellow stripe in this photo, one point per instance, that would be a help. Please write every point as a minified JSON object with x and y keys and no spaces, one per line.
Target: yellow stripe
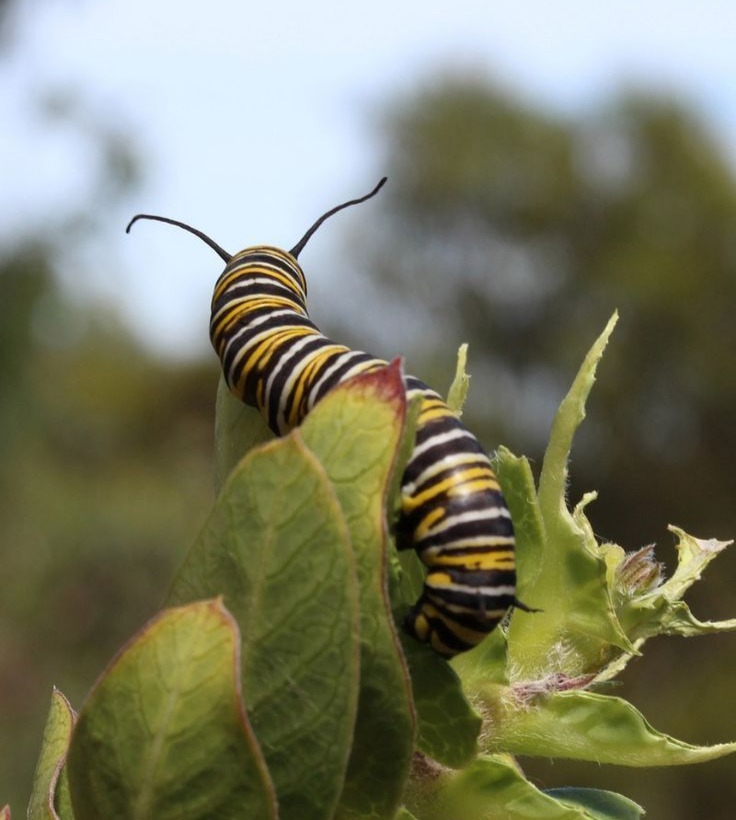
{"x":299,"y":388}
{"x":305,"y":380}
{"x":460,"y":483}
{"x":238,"y":308}
{"x":440,"y":647}
{"x":470,"y":487}
{"x":425,"y":632}
{"x":476,"y":561}
{"x":421,"y":625}
{"x":428,"y":521}
{"x":251,"y":270}
{"x":433,"y":409}
{"x":411,"y":503}
{"x":261,"y":354}
{"x":451,"y":460}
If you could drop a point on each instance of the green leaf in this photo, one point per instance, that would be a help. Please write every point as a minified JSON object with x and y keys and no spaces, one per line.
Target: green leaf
{"x":56,"y":736}
{"x":486,"y":663}
{"x":562,"y":570}
{"x":448,"y":725}
{"x":520,"y":492}
{"x":355,"y":433}
{"x":163,"y":733}
{"x":458,"y":392}
{"x":276,"y":546}
{"x":238,"y":429}
{"x":586,"y":726}
{"x":63,"y":797}
{"x":600,"y":804}
{"x":490,"y":788}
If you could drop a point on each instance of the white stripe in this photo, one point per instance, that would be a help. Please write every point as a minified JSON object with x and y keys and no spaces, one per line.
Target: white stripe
{"x":250,"y":282}
{"x":440,"y":439}
{"x":489,"y":514}
{"x":482,"y":593}
{"x":445,"y":463}
{"x":425,"y":392}
{"x":447,"y":550}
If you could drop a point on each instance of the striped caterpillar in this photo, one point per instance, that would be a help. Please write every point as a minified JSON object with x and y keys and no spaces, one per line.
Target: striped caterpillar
{"x":452,"y":510}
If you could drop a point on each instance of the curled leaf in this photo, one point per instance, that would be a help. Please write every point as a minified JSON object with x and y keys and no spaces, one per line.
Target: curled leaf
{"x":494,"y":788}
{"x":584,"y":725}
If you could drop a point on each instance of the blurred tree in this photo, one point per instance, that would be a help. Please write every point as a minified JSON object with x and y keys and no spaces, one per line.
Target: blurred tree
{"x":520,"y":231}
{"x":5,"y":6}
{"x":104,"y":480}
{"x":105,"y":467}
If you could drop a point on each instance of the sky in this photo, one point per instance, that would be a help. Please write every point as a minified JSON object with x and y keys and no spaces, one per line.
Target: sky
{"x":254,"y":118}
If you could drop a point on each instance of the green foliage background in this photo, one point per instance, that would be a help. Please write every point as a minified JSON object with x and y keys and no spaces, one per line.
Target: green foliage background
{"x":519,"y":231}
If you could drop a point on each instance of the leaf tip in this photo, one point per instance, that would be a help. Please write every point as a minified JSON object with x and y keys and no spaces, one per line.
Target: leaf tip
{"x":386,"y":383}
{"x":706,"y":545}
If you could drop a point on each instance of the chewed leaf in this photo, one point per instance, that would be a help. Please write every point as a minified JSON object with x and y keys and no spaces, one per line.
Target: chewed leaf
{"x":648,"y":606}
{"x":694,"y":555}
{"x":586,"y":726}
{"x":165,"y":727}
{"x":56,"y":736}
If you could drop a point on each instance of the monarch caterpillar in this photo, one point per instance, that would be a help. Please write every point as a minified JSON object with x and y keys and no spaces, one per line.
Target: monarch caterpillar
{"x":452,"y":511}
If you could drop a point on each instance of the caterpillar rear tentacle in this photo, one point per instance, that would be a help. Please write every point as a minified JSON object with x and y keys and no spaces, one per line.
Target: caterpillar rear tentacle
{"x":452,"y":509}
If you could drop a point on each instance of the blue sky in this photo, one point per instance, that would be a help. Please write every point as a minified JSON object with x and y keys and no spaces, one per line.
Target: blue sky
{"x":254,"y":118}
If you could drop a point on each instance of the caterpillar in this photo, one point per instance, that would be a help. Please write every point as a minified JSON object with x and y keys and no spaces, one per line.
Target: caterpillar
{"x":452,"y":511}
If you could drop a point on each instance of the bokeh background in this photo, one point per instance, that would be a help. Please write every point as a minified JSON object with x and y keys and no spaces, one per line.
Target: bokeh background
{"x":547,"y":163}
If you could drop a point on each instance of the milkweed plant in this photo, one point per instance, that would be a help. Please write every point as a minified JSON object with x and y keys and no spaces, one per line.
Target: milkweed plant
{"x":276,"y":684}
